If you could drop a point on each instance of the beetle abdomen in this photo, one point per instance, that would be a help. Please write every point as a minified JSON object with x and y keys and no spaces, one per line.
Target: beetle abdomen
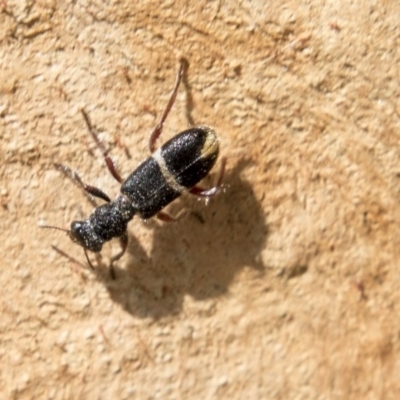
{"x":190,"y":155}
{"x":175,"y":167}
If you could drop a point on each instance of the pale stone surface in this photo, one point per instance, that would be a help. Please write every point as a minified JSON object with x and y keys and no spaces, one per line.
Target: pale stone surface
{"x":283,"y":287}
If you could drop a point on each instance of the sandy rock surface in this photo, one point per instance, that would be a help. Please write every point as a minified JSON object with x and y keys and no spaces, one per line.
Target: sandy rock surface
{"x":285,"y":286}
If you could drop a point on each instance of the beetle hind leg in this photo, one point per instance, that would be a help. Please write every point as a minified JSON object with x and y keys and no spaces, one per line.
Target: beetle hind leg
{"x":159,"y":128}
{"x":166,"y":217}
{"x":213,"y":191}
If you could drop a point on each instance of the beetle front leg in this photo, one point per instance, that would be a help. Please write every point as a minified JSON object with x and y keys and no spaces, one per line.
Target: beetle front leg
{"x":123,"y":240}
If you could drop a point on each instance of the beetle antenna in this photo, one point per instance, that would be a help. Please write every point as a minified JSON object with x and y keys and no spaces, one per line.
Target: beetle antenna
{"x":72,"y":259}
{"x":54,"y":227}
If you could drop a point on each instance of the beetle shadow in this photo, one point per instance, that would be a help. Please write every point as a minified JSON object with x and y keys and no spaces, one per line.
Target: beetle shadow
{"x":199,"y":255}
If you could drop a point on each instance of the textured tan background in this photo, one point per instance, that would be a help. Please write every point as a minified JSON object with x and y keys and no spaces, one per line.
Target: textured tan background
{"x":284,"y":287}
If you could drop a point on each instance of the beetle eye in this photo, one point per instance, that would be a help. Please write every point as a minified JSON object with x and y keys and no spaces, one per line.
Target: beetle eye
{"x":76,"y":233}
{"x":83,"y":234}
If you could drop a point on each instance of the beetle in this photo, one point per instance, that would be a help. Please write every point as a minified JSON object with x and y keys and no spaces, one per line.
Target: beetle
{"x":172,"y":169}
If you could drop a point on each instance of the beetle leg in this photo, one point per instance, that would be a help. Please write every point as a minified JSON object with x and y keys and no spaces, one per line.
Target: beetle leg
{"x":201,"y":192}
{"x":123,"y":240}
{"x":88,"y":190}
{"x":109,"y":162}
{"x":158,"y":129}
{"x":166,"y":217}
